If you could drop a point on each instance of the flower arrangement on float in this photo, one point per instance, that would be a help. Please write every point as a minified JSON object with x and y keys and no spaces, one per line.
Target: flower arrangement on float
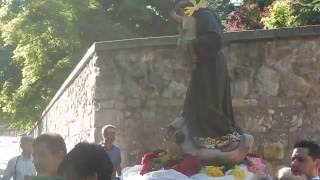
{"x":160,"y":163}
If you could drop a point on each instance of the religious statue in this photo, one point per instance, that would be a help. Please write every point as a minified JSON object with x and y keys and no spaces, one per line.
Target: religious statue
{"x":206,"y":126}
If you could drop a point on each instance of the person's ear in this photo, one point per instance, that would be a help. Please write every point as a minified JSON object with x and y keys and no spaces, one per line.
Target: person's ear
{"x":317,"y":163}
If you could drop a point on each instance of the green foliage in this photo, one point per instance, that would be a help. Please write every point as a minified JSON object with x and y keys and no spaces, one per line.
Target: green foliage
{"x":245,"y":17}
{"x":257,"y":14}
{"x":281,"y":14}
{"x":37,"y":34}
{"x":48,"y":37}
{"x":260,"y":3}
{"x":151,"y":17}
{"x":5,"y":55}
{"x":44,"y":39}
{"x":307,"y":12}
{"x":223,"y":8}
{"x":143,"y":17}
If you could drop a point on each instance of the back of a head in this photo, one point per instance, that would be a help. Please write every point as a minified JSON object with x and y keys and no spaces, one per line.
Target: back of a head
{"x":313,"y":148}
{"x":54,"y":142}
{"x":26,"y":139}
{"x":86,"y":160}
{"x":181,"y":5}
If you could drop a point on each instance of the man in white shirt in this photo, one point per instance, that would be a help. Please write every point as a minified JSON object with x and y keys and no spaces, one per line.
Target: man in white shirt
{"x":21,"y":166}
{"x":305,"y":160}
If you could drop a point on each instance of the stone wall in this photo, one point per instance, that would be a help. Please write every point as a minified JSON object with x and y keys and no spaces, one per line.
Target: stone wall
{"x":71,"y":113}
{"x":276,"y":92}
{"x":139,"y":86}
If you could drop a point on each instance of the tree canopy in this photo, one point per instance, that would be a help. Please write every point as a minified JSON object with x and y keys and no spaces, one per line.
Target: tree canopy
{"x":46,"y":39}
{"x":269,"y":14}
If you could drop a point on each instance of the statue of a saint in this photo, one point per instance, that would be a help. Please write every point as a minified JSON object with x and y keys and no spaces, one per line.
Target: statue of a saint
{"x":207,"y":116}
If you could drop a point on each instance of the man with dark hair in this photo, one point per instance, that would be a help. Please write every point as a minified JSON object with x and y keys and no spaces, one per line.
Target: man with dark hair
{"x":86,"y":161}
{"x":305,"y":159}
{"x":49,"y":151}
{"x":21,"y":166}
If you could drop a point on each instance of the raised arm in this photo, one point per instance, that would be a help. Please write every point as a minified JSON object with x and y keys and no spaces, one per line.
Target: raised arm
{"x":176,"y":17}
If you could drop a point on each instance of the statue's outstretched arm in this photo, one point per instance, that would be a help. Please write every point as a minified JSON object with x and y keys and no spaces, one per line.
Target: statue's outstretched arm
{"x":176,"y":17}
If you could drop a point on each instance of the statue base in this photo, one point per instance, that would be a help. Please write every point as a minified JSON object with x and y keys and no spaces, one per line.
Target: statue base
{"x":178,"y":133}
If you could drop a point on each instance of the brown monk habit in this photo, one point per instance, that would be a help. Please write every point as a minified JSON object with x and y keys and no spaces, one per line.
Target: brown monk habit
{"x":208,"y":108}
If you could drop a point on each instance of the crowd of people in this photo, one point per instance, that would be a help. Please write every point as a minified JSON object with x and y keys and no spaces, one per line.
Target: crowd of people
{"x":46,"y":158}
